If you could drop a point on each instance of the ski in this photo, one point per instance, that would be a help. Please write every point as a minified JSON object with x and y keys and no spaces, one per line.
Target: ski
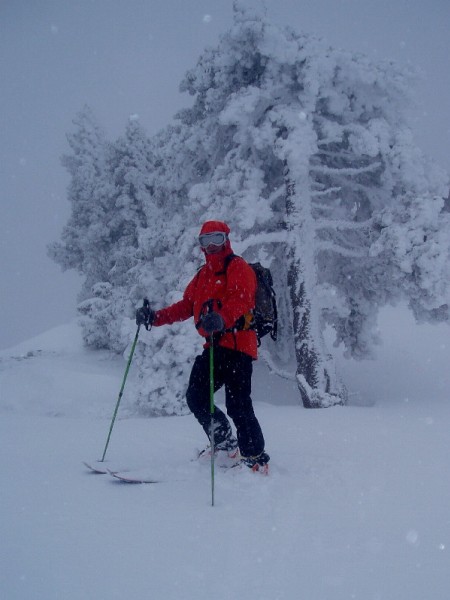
{"x":131,"y":479}
{"x":96,"y":467}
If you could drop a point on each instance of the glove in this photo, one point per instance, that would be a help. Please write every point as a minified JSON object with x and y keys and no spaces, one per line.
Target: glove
{"x":145,"y":316}
{"x":212,"y":322}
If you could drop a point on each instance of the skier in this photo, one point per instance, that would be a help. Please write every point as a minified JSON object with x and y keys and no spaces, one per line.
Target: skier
{"x":219,"y":297}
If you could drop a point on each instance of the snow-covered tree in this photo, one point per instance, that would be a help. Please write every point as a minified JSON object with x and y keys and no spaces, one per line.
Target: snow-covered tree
{"x":414,"y":245}
{"x":108,"y":190}
{"x":84,"y":240}
{"x":307,"y":153}
{"x":130,"y":166}
{"x":166,"y":263}
{"x":306,"y":145}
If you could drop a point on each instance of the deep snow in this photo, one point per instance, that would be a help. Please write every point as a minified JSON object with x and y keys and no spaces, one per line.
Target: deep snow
{"x":357,"y":504}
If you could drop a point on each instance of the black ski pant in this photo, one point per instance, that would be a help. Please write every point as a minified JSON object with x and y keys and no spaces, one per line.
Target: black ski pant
{"x":233,"y":370}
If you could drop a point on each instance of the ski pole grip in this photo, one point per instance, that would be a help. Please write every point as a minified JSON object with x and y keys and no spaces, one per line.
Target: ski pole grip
{"x":146,"y":304}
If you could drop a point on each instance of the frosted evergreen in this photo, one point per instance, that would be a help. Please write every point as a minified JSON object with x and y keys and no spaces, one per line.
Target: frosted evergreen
{"x":307,"y":153}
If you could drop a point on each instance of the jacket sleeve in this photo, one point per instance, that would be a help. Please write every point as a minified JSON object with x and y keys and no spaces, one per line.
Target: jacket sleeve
{"x":180,"y":311}
{"x":239,"y":297}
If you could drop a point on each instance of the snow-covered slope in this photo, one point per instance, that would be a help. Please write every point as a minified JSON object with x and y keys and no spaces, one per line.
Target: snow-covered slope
{"x":356,"y":505}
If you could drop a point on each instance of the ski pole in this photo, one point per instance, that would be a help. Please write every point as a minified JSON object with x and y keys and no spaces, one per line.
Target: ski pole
{"x":211,"y":408}
{"x":121,"y":391}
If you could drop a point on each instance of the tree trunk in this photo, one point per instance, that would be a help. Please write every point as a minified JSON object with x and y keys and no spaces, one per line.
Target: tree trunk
{"x":318,"y":385}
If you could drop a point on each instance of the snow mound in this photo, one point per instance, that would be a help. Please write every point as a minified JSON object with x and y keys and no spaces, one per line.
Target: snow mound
{"x":53,"y":374}
{"x":64,"y":338}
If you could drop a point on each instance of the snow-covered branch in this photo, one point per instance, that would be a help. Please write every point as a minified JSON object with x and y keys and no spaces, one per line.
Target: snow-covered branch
{"x":349,"y":171}
{"x":326,"y":192}
{"x":329,"y":246}
{"x":265,"y":355}
{"x":339,"y":224}
{"x":261,"y":238}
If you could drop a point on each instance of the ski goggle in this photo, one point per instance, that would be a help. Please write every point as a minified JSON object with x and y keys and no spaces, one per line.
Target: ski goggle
{"x":217,"y":238}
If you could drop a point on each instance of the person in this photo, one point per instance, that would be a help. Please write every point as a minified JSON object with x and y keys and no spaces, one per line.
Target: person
{"x":218,"y":297}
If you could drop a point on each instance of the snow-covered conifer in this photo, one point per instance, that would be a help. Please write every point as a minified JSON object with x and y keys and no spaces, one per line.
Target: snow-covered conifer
{"x":307,"y":153}
{"x":84,"y":240}
{"x":302,"y":147}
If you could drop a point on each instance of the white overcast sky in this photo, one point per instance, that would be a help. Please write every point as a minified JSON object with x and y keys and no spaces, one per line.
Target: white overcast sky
{"x":126,"y":57}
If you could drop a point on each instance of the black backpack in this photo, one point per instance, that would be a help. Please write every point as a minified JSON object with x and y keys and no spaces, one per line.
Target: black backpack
{"x":265,"y":315}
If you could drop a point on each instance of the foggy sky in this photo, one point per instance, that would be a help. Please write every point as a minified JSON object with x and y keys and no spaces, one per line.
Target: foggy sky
{"x":124,"y":57}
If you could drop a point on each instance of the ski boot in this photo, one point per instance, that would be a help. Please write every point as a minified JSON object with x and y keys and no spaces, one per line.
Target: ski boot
{"x":258,"y":464}
{"x":228,"y":450}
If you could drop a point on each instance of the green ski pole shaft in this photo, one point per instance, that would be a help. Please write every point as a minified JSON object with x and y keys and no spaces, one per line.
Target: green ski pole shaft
{"x":121,"y":392}
{"x":211,"y":398}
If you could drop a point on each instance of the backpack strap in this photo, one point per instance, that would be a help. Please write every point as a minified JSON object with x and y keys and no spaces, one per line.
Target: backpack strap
{"x":245,"y":321}
{"x":226,"y":262}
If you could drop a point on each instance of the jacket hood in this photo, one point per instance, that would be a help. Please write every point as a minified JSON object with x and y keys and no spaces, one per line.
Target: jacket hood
{"x":216,"y":261}
{"x":213,"y":226}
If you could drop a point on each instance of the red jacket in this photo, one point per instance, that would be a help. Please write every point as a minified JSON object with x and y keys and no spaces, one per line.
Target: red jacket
{"x":235,"y":290}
